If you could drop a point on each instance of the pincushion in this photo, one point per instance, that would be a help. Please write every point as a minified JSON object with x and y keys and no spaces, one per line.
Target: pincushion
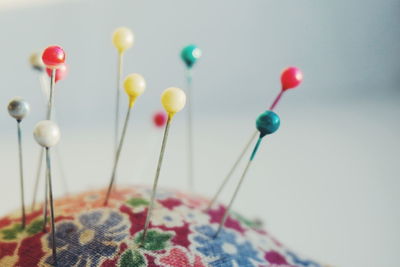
{"x":181,"y":234}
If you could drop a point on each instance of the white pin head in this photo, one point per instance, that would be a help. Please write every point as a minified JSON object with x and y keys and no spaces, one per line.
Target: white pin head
{"x":47,"y":133}
{"x":18,"y":108}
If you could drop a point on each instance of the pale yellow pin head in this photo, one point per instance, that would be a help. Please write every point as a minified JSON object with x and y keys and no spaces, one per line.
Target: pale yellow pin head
{"x":122,"y":39}
{"x":173,"y":100}
{"x":134,"y":85}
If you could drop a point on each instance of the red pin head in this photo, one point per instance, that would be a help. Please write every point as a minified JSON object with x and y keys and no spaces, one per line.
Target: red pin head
{"x":291,"y":77}
{"x":53,"y":56}
{"x":159,"y":119}
{"x":61,"y":72}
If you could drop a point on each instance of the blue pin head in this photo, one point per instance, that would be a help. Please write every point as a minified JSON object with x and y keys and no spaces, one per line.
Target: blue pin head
{"x":190,"y":54}
{"x":267,"y":123}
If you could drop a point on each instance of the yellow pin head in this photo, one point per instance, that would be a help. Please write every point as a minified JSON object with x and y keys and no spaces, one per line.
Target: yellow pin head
{"x":134,"y":85}
{"x":173,"y":100}
{"x":122,"y":39}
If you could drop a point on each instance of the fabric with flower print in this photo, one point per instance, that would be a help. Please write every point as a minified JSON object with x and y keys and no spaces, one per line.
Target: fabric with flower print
{"x":225,"y":249}
{"x":181,"y":234}
{"x":179,"y":257}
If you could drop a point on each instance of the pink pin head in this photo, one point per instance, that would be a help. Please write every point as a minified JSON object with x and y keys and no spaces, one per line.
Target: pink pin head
{"x":61,"y":72}
{"x":53,"y":56}
{"x":159,"y":119}
{"x":290,"y":78}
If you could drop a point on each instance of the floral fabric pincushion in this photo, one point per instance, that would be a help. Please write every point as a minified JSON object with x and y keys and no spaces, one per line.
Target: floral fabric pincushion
{"x":181,"y":235}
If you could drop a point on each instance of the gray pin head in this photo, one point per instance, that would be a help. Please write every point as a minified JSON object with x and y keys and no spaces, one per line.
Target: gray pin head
{"x":18,"y":108}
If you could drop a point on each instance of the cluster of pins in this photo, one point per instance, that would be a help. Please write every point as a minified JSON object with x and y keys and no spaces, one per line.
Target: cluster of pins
{"x":173,"y":100}
{"x":266,"y":123}
{"x":45,"y":72}
{"x":46,"y":132}
{"x":290,"y":78}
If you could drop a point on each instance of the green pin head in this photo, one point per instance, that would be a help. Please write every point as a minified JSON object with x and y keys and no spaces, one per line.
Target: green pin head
{"x":190,"y":54}
{"x":267,"y":123}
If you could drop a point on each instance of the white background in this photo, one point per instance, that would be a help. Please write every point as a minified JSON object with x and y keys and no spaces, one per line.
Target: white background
{"x":327,"y":184}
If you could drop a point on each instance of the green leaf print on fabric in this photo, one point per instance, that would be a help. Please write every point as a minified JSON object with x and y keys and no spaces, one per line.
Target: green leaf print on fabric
{"x":132,"y":258}
{"x":136,"y":202}
{"x":155,"y":240}
{"x":12,"y":232}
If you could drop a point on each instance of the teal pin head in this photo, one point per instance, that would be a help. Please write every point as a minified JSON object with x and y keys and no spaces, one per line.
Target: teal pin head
{"x":190,"y":54}
{"x":267,"y":123}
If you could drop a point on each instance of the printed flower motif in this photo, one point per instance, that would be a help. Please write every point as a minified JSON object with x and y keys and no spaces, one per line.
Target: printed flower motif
{"x":180,"y":257}
{"x":275,"y":258}
{"x":217,"y":215}
{"x":132,"y":258}
{"x":254,"y":224}
{"x":138,"y":204}
{"x":15,"y":231}
{"x":225,"y":250}
{"x":160,"y":194}
{"x":192,"y":215}
{"x":92,"y":200}
{"x":83,"y":244}
{"x":264,"y":242}
{"x":6,"y":253}
{"x":301,"y":262}
{"x":162,"y":216}
{"x":191,"y":200}
{"x":156,"y":241}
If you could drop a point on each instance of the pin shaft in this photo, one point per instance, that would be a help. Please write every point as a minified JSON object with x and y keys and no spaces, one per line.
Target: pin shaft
{"x":46,"y":93}
{"x":190,"y":130}
{"x":46,"y":204}
{"x":51,"y":95}
{"x":276,"y":101}
{"x":156,"y":178}
{"x":48,"y":117}
{"x":117,"y":156}
{"x":117,"y":100}
{"x":232,"y":170}
{"x":225,"y":217}
{"x":241,"y":155}
{"x":21,"y":173}
{"x":53,"y":228}
{"x":38,"y":174}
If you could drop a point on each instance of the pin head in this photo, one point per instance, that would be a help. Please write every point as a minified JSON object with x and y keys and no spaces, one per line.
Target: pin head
{"x":267,"y":123}
{"x":36,"y":61}
{"x":190,"y":54}
{"x":290,"y":78}
{"x":61,"y":72}
{"x":159,"y":119}
{"x":122,"y":39}
{"x":53,"y":56}
{"x":173,"y":100}
{"x":18,"y":108}
{"x":46,"y":133}
{"x":134,"y":85}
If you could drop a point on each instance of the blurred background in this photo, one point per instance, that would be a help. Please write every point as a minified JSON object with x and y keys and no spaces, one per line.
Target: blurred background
{"x":326,"y":185}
